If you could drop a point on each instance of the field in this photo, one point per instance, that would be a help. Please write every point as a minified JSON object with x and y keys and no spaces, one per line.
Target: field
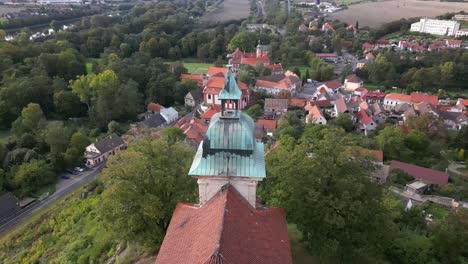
{"x":193,"y":66}
{"x":230,"y":10}
{"x":374,"y":14}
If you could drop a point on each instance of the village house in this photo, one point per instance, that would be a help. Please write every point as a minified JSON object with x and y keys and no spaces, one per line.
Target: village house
{"x":454,"y":120}
{"x":374,"y":97}
{"x":423,"y":97}
{"x":331,"y":87}
{"x":238,"y":58}
{"x":382,"y":43}
{"x":275,"y":107}
{"x":153,"y":108}
{"x":377,"y":113}
{"x":364,"y":122}
{"x":194,"y":130}
{"x":99,"y":152}
{"x":214,"y":85}
{"x":393,"y":99}
{"x":368,"y":46}
{"x":340,"y":107}
{"x":273,"y":85}
{"x":352,"y":82}
{"x":268,"y":126}
{"x":327,"y":28}
{"x":362,"y":63}
{"x":303,"y":28}
{"x":315,"y":116}
{"x":328,"y":57}
{"x":193,"y":98}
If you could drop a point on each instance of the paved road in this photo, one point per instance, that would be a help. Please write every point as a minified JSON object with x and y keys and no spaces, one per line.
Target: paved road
{"x":86,"y":177}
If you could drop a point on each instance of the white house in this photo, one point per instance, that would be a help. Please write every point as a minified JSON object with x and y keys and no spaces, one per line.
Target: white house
{"x":436,"y":27}
{"x":169,"y":114}
{"x":315,"y":116}
{"x":393,"y":99}
{"x":99,"y":152}
{"x":352,"y":82}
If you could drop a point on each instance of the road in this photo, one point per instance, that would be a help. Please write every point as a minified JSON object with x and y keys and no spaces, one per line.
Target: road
{"x":65,"y":189}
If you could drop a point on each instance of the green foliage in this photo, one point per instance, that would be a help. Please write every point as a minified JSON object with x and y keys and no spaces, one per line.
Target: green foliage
{"x":142,"y":186}
{"x":291,"y":126}
{"x":244,"y":41}
{"x":344,"y":121}
{"x":70,"y":232}
{"x":30,"y":120}
{"x":330,"y":197}
{"x":450,"y":237}
{"x":399,"y":177}
{"x":320,"y":70}
{"x":31,"y":176}
{"x":255,"y":111}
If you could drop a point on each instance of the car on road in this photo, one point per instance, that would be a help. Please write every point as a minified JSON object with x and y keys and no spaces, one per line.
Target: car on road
{"x":78,"y":169}
{"x":65,"y":176}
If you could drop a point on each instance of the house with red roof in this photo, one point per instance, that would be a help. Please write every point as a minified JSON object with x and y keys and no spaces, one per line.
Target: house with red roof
{"x":194,"y":130}
{"x":275,"y":84}
{"x":303,"y":28}
{"x":261,"y":55}
{"x":426,"y":175}
{"x":227,"y":225}
{"x":331,"y":87}
{"x":368,"y":46}
{"x":210,"y":112}
{"x":365,"y":123}
{"x":198,"y":78}
{"x":374,"y":97}
{"x":423,"y":97}
{"x":340,"y":107}
{"x":214,"y":85}
{"x":453,"y":43}
{"x":393,"y":99}
{"x":315,"y":116}
{"x":352,"y":82}
{"x":269,"y":126}
{"x":383,"y":43}
{"x":154,"y":108}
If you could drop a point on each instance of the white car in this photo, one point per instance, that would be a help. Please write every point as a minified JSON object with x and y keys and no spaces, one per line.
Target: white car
{"x":78,"y":169}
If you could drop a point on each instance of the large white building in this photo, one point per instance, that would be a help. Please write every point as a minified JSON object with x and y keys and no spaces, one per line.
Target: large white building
{"x":436,"y":27}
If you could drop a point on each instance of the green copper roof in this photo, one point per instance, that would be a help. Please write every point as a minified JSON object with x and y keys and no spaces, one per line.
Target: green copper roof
{"x":225,"y":163}
{"x":230,"y":89}
{"x":236,"y":132}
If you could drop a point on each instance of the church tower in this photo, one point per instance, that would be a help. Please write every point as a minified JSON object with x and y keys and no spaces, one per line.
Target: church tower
{"x":229,"y":153}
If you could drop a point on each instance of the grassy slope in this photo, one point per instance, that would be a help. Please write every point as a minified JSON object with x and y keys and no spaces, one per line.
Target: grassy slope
{"x":69,"y":231}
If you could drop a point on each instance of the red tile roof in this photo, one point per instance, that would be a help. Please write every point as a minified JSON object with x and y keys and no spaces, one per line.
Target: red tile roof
{"x":353,"y":78}
{"x":420,"y":173}
{"x":198,"y":78}
{"x":154,"y":107}
{"x":368,"y":46}
{"x":363,"y":117}
{"x":315,"y":113}
{"x":422,"y":97}
{"x":399,"y":97}
{"x":297,"y":102}
{"x":214,"y":109}
{"x":268,"y":124}
{"x":332,"y":84}
{"x":321,"y":103}
{"x":340,"y":105}
{"x":226,"y":230}
{"x":283,"y":84}
{"x":375,"y":95}
{"x":215,"y":70}
{"x":253,"y":61}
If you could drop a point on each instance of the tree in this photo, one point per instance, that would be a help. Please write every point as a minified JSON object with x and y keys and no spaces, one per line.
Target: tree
{"x":142,"y":187}
{"x":82,"y":87}
{"x":255,"y":111}
{"x":56,"y":136}
{"x":344,"y":121}
{"x":31,"y":118}
{"x":450,"y":237}
{"x":31,"y":176}
{"x":74,"y":154}
{"x":329,"y":196}
{"x":173,"y":135}
{"x":391,"y":141}
{"x":244,"y":41}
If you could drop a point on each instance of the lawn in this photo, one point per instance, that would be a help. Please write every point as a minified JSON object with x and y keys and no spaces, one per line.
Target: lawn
{"x":193,"y":66}
{"x":298,"y":250}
